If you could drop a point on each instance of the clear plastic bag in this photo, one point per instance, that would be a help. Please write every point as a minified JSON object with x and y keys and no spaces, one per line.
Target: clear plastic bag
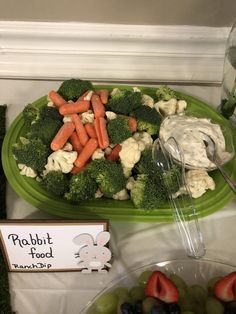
{"x":228,"y":92}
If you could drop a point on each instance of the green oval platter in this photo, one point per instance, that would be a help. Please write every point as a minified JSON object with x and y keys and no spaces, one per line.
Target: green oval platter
{"x":29,"y":190}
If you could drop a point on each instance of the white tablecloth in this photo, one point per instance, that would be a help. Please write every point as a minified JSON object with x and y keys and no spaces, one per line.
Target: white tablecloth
{"x":132,"y":244}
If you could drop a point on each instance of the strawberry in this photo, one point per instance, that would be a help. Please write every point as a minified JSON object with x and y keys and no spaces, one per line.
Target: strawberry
{"x":225,"y":288}
{"x":161,"y":287}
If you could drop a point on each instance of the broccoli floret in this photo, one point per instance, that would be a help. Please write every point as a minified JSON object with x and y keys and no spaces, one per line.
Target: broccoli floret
{"x":30,"y":113}
{"x":45,"y":129}
{"x":124,"y":102}
{"x":169,"y":176}
{"x":147,"y":192}
{"x":72,"y":89}
{"x":82,"y":187}
{"x":109,"y":176}
{"x":55,"y":182}
{"x":147,"y":114}
{"x":170,"y":173}
{"x":43,"y":122}
{"x":146,"y":164}
{"x":118,"y":130}
{"x":31,"y":152}
{"x":150,"y":128}
{"x":165,"y":93}
{"x":50,"y":112}
{"x":172,"y":179}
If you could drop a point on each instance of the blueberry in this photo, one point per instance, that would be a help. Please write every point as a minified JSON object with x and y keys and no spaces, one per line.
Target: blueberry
{"x":126,"y":308}
{"x":138,"y":307}
{"x":230,"y":308}
{"x":173,"y":308}
{"x":230,"y":311}
{"x":158,"y":309}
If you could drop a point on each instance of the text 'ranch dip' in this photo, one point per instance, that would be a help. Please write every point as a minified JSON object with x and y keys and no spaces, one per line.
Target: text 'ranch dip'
{"x":187,"y":131}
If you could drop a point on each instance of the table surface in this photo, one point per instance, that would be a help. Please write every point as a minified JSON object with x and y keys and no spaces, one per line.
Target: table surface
{"x":132,"y":244}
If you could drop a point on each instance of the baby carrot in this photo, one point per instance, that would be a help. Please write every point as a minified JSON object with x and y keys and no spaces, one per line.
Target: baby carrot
{"x":80,"y":129}
{"x":103,"y":93}
{"x":62,"y":135}
{"x":74,"y":107}
{"x":132,"y":122}
{"x":114,"y":155}
{"x":56,"y":98}
{"x":89,"y":127}
{"x":74,"y":140}
{"x":98,"y":107}
{"x":98,"y":132}
{"x":86,"y":153}
{"x":101,"y":131}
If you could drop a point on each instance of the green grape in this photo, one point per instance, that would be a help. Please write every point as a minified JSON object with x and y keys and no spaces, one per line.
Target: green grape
{"x":214,"y":306}
{"x":178,"y":281}
{"x":210,"y":285}
{"x":137,"y":293}
{"x":197,"y":294}
{"x":148,"y":304}
{"x":198,"y":309}
{"x":92,"y":310}
{"x":143,"y":277}
{"x":106,"y":303}
{"x":121,"y":292}
{"x":186,"y":304}
{"x":182,"y":292}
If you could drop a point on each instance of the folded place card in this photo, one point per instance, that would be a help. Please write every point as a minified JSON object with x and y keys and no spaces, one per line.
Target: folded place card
{"x":55,"y":245}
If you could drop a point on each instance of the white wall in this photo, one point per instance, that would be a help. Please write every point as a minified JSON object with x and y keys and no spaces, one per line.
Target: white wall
{"x":151,"y":12}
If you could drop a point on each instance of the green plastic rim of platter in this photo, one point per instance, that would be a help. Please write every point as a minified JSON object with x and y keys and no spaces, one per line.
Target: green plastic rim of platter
{"x":30,"y":190}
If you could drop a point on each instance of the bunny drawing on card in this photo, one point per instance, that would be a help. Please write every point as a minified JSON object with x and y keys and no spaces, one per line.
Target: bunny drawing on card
{"x":93,"y":255}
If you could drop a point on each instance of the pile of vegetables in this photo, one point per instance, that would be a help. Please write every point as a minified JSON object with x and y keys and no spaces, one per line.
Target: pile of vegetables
{"x":87,"y":143}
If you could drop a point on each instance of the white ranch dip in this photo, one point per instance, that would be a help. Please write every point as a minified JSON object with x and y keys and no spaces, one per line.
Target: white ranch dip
{"x":187,"y":131}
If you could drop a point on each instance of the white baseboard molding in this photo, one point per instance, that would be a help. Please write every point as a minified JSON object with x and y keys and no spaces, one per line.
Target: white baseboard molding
{"x":104,"y":52}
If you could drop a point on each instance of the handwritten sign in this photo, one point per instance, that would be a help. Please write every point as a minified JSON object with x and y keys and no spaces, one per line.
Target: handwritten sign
{"x":56,"y":245}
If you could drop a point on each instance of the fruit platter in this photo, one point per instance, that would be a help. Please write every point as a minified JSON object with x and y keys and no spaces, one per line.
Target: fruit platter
{"x":170,"y":287}
{"x":84,"y":152}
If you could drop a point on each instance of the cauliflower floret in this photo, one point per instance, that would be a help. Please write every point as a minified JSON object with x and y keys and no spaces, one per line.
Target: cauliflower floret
{"x":121,"y":195}
{"x":67,"y":147}
{"x":130,"y":153}
{"x":98,"y":154}
{"x":98,"y":194}
{"x":115,"y":91}
{"x":89,"y":95}
{"x":108,"y":150}
{"x":144,"y":140}
{"x":198,"y":182}
{"x":67,"y":119}
{"x":181,"y":106}
{"x":49,"y":102}
{"x":130,"y":183}
{"x":131,"y":150}
{"x":136,"y":89}
{"x":60,"y":160}
{"x":127,"y":171}
{"x":147,"y":101}
{"x":111,"y":115}
{"x":170,"y":107}
{"x":87,"y":117}
{"x":27,"y":171}
{"x":166,"y":108}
